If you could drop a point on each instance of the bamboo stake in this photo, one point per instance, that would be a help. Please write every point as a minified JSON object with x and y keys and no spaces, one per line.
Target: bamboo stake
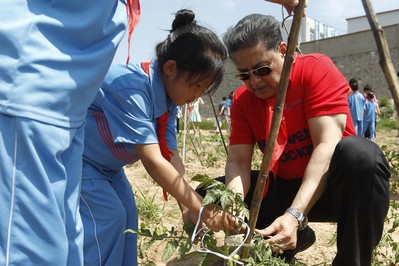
{"x":184,"y":132}
{"x":195,"y":147}
{"x":275,"y":124}
{"x":383,"y":50}
{"x":217,"y":123}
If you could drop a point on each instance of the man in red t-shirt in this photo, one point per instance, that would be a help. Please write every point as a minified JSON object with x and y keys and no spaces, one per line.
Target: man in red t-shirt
{"x":322,"y":171}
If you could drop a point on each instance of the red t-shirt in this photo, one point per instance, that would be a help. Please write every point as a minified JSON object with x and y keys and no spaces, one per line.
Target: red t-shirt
{"x":316,"y":88}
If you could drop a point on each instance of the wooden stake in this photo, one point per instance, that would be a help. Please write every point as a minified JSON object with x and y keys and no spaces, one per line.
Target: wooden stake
{"x":275,"y":124}
{"x":218,"y":125}
{"x":383,"y":50}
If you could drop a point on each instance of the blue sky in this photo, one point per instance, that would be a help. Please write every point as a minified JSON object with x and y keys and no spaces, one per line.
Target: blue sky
{"x":157,"y":16}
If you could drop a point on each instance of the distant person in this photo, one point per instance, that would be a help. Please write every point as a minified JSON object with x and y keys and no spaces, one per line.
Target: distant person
{"x":221,"y":106}
{"x":195,"y":116}
{"x":370,"y":115}
{"x":223,"y":114}
{"x":178,"y":117}
{"x":356,"y":104}
{"x":229,"y":103}
{"x":53,"y":57}
{"x":366,"y":90}
{"x":133,"y":118}
{"x":229,"y":100}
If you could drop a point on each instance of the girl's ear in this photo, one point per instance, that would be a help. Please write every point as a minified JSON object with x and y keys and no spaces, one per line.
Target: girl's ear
{"x":170,"y":67}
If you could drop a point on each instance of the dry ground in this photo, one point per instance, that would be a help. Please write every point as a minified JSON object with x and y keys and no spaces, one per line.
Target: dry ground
{"x":321,"y":253}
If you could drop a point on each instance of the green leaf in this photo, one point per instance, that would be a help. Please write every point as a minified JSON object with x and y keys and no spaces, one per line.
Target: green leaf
{"x":189,"y":228}
{"x":206,"y":181}
{"x":226,"y":201}
{"x":245,"y":212}
{"x":395,"y":223}
{"x":170,"y":248}
{"x":202,"y":178}
{"x":210,"y":259}
{"x":211,"y":197}
{"x":184,"y":248}
{"x":148,"y":243}
{"x":146,"y":232}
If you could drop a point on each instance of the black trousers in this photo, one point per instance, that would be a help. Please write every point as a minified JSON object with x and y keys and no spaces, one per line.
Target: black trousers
{"x":357,"y":198}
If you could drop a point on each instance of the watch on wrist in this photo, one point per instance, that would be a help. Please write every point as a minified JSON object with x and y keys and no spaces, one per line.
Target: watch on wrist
{"x":302,"y":219}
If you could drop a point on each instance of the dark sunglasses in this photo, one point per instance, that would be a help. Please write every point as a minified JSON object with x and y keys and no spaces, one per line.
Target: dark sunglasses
{"x":260,"y":72}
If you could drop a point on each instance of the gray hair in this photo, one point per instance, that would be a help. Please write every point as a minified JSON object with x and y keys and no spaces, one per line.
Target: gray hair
{"x":252,"y":30}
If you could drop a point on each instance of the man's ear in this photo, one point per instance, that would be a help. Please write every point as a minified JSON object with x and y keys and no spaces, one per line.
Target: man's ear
{"x":170,"y":67}
{"x":282,"y":48}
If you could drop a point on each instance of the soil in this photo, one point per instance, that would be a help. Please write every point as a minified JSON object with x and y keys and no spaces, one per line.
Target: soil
{"x":205,"y":154}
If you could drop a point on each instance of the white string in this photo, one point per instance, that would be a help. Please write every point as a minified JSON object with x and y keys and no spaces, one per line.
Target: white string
{"x":229,"y":240}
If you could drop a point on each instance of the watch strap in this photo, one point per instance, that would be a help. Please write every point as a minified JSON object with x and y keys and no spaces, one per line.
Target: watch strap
{"x":301,"y":218}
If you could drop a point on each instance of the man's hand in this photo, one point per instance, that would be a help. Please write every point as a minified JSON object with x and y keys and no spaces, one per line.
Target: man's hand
{"x":289,"y":5}
{"x":282,"y":232}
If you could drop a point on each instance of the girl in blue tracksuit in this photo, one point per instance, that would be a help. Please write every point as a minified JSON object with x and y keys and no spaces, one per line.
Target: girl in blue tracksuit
{"x":50,"y":72}
{"x":122,"y":128}
{"x":370,"y":113}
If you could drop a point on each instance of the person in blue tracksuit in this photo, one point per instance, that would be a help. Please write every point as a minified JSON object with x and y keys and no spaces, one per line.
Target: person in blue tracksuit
{"x":370,"y":113}
{"x":356,"y":105}
{"x":50,"y":72}
{"x":124,"y":126}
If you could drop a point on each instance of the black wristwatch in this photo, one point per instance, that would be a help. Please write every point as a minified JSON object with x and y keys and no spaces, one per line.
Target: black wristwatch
{"x":302,"y":219}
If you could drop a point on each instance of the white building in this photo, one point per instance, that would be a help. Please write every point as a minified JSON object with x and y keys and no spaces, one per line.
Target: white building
{"x":361,"y":23}
{"x":311,"y":30}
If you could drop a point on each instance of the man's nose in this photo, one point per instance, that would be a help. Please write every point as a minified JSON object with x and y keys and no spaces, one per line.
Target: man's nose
{"x":254,"y":79}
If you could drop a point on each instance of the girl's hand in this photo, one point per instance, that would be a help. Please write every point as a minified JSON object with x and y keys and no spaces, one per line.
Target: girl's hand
{"x":218,"y":219}
{"x":189,"y":217}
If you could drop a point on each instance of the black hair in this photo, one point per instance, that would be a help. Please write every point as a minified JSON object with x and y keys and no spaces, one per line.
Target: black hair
{"x":354,"y":84}
{"x":370,"y":96}
{"x":196,"y":49}
{"x":252,"y":30}
{"x":367,"y":87}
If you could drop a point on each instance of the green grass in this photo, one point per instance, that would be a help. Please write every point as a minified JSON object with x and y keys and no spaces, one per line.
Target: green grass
{"x":204,"y":125}
{"x":388,"y":119}
{"x":148,"y":208}
{"x":387,"y":124}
